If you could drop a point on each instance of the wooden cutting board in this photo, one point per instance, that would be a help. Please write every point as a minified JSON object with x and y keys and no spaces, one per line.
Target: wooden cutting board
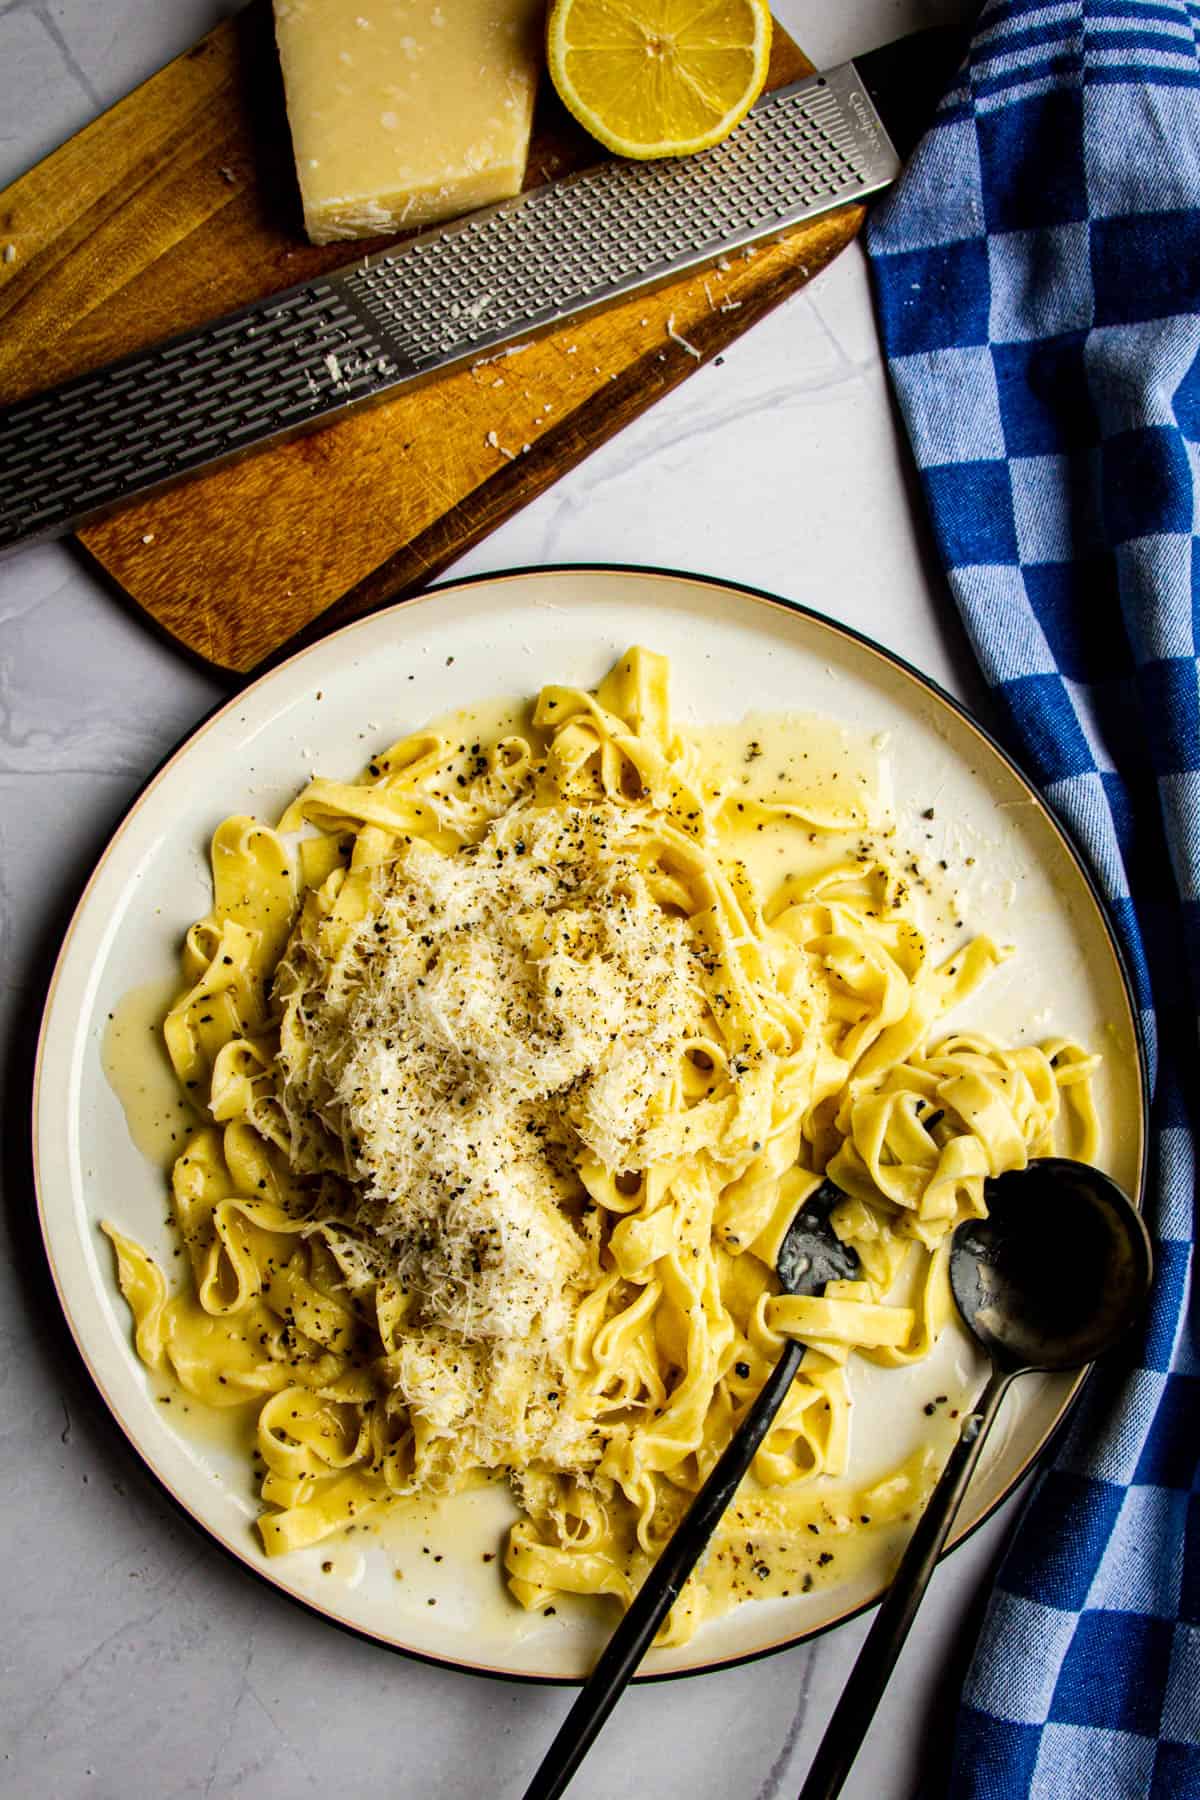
{"x":180,"y":204}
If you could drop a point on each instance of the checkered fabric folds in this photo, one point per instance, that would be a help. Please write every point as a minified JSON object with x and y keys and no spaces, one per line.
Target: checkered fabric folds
{"x":1038,"y":284}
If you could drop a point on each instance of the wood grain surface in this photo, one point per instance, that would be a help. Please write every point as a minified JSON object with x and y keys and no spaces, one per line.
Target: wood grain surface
{"x":180,"y":204}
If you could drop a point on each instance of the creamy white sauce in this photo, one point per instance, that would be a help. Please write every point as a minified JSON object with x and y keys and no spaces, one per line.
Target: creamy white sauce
{"x":134,"y":1057}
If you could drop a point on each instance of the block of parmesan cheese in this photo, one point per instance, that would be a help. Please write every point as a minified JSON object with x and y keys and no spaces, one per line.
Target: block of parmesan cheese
{"x":406,"y":111}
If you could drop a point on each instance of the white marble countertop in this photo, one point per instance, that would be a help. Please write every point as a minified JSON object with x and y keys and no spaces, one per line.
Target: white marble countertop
{"x":135,"y":1660}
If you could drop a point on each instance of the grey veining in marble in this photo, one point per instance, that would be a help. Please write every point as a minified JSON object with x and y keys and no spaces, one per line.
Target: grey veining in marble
{"x":135,"y":1661}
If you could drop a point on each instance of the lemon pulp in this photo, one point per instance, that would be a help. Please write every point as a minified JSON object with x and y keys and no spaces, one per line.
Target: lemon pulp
{"x":653,"y":78}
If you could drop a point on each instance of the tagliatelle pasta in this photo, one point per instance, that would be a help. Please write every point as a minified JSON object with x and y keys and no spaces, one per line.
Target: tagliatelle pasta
{"x":513,"y":1082}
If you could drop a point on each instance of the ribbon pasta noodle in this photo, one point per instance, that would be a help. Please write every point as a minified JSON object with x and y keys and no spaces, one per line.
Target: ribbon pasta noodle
{"x":512,"y":1083}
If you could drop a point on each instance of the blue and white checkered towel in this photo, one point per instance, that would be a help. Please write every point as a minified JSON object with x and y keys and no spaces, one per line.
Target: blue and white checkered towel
{"x":1038,"y":283}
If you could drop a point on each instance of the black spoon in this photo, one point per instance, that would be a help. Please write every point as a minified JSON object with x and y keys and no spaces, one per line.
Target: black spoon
{"x":1054,"y":1275}
{"x":811,"y":1255}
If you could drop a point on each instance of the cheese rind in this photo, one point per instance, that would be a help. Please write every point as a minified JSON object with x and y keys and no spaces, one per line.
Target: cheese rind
{"x":404,"y":112}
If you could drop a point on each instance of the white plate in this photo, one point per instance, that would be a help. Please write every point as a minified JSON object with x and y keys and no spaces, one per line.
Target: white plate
{"x":732,"y":652}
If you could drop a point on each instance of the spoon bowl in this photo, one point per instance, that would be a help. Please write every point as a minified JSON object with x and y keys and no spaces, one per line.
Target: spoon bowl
{"x":1056,"y":1272}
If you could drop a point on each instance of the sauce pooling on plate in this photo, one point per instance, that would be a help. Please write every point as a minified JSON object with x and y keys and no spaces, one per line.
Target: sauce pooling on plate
{"x":135,"y":1061}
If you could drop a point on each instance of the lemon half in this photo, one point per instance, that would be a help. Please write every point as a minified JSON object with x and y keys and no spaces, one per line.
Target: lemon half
{"x":658,"y":77}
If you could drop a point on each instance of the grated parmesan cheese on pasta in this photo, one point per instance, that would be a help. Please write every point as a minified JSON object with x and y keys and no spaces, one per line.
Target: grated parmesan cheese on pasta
{"x":498,"y":1011}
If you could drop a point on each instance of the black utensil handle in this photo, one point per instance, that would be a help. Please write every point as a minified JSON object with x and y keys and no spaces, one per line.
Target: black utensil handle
{"x":658,"y":1593}
{"x":862,"y":1693}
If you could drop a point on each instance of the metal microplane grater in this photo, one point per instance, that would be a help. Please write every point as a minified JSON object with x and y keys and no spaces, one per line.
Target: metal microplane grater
{"x":452,"y":295}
